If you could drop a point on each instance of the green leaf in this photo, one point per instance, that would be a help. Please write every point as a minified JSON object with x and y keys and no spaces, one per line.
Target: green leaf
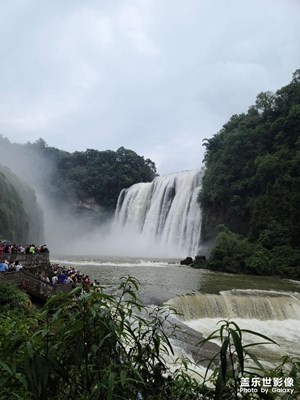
{"x":6,"y":367}
{"x":223,"y":357}
{"x":23,"y":381}
{"x":259,"y":335}
{"x":255,"y":344}
{"x":123,"y":377}
{"x":219,"y":386}
{"x":255,"y":359}
{"x":239,"y":348}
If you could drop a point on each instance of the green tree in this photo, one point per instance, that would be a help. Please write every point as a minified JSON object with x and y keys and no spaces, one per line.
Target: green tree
{"x":251,"y":180}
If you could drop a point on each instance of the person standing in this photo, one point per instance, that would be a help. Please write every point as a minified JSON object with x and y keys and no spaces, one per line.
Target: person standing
{"x":18,"y":266}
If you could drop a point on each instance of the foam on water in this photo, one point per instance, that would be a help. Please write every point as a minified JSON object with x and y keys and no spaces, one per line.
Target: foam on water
{"x":284,"y":332}
{"x":274,"y":314}
{"x":145,"y":263}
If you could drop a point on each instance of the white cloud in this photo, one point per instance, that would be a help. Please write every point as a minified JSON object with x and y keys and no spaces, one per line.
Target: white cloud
{"x":155,"y":76}
{"x":134,"y":19}
{"x":23,"y":124}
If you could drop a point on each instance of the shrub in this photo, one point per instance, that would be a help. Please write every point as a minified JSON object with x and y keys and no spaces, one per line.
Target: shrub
{"x":90,"y":346}
{"x":230,"y":252}
{"x":13,"y":299}
{"x":234,"y":367}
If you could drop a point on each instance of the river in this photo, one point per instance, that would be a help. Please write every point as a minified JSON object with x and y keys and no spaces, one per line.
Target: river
{"x":265,"y":304}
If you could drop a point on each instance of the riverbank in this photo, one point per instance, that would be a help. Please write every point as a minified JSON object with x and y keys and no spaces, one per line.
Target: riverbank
{"x":200,"y":262}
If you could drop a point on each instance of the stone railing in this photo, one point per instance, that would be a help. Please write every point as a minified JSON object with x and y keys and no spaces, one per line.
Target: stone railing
{"x":33,"y":285}
{"x":27,"y":260}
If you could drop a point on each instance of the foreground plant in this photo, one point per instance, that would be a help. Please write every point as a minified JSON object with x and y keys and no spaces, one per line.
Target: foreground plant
{"x":13,"y":300}
{"x":90,"y":346}
{"x":98,"y":346}
{"x":241,"y":374}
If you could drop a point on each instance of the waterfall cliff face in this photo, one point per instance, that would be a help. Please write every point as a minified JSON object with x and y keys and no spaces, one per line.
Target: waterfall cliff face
{"x":21,"y":219}
{"x":164,"y":212}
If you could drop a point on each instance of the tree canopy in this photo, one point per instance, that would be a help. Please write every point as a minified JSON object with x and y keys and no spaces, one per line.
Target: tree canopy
{"x":82,"y":176}
{"x":251,"y":182}
{"x":102,"y":175}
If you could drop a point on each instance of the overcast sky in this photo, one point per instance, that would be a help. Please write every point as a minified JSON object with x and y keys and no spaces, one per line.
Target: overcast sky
{"x":154,"y":76}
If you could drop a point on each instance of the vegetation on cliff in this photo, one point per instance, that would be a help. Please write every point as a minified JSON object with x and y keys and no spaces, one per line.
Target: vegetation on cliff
{"x":251,"y":185}
{"x":88,"y":178}
{"x":20,"y":215}
{"x":101,"y":175}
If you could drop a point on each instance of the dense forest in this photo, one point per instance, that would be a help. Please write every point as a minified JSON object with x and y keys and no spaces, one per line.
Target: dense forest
{"x":251,"y":187}
{"x":20,"y":215}
{"x":87,"y":180}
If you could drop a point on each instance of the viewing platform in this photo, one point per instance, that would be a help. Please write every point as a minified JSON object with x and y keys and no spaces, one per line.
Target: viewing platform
{"x":30,"y":277}
{"x":33,"y":285}
{"x":28,"y":260}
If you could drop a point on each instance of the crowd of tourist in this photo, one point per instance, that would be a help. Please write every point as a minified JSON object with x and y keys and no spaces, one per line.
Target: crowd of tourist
{"x":13,"y":248}
{"x":55,"y":275}
{"x":10,"y":266}
{"x":58,"y":275}
{"x":71,"y":276}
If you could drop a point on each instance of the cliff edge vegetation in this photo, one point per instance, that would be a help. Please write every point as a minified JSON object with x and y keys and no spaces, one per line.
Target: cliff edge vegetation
{"x":251,"y":187}
{"x":20,"y":216}
{"x":83,"y":181}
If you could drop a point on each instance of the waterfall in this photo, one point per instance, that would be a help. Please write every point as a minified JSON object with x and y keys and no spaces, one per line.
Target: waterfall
{"x":248,"y":304}
{"x":163,"y":213}
{"x":275,"y":314}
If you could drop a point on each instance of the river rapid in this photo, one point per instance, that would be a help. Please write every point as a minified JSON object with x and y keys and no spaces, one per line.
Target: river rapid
{"x":267,"y":305}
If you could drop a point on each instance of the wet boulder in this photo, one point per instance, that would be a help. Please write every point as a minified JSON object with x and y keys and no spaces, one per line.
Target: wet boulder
{"x":186,"y":261}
